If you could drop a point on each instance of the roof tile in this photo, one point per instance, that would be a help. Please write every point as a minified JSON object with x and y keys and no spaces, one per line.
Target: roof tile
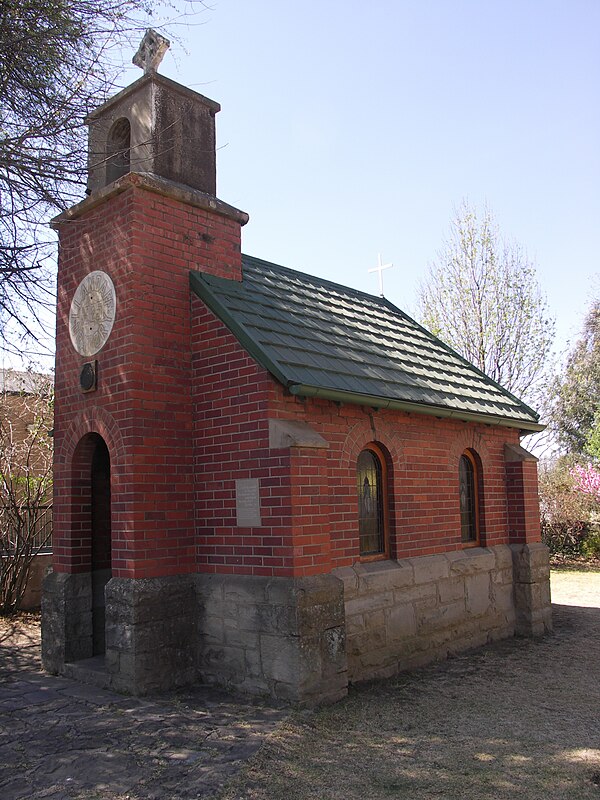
{"x":319,"y":337}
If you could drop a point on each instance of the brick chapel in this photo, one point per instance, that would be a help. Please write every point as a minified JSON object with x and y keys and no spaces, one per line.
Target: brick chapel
{"x":263,"y":480}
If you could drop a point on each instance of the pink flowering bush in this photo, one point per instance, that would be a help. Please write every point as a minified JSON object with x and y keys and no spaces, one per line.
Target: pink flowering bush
{"x":569,"y":508}
{"x":586,"y":480}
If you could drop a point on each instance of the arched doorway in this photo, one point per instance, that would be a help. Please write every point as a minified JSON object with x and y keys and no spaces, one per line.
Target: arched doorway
{"x":91,"y":527}
{"x":101,"y":541}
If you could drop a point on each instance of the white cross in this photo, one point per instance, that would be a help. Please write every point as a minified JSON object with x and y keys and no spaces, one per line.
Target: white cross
{"x":379,"y":268}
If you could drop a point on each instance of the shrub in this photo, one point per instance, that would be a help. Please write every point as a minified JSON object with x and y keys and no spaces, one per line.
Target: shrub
{"x":568,"y":508}
{"x":590,"y":547}
{"x":25,"y":489}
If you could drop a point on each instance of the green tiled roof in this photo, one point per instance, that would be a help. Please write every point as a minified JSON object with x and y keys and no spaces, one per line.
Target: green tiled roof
{"x":320,"y":339}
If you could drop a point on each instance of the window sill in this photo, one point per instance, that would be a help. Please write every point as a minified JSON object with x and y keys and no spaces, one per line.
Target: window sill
{"x":474,"y":543}
{"x":374,"y":557}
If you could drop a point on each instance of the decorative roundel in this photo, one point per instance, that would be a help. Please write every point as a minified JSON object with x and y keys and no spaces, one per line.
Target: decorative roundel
{"x":87,"y":377}
{"x":92,"y":313}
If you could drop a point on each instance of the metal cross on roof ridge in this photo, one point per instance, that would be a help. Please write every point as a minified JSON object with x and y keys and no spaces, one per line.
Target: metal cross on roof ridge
{"x":379,"y":268}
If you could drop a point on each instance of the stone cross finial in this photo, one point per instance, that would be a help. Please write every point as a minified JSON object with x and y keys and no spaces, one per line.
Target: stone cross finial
{"x":379,"y":268}
{"x":151,"y":51}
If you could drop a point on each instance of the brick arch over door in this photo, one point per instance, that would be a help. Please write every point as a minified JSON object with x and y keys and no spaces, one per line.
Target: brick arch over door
{"x":95,"y":420}
{"x":73,"y":459}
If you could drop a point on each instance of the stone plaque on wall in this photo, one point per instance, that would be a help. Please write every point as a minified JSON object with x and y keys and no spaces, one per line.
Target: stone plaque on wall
{"x":92,"y":313}
{"x":247,"y":503}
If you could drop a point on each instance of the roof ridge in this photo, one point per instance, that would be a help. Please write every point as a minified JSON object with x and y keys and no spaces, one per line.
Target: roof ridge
{"x":321,"y":281}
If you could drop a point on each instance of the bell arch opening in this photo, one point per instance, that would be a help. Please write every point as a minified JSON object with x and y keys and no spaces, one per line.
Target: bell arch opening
{"x":118,"y":150}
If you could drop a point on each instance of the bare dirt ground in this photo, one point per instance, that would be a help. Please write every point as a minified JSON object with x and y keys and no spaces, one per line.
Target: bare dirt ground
{"x":520,"y":718}
{"x":517,"y":719}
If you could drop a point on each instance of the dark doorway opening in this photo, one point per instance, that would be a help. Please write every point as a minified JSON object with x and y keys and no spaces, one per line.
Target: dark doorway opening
{"x":101,"y":541}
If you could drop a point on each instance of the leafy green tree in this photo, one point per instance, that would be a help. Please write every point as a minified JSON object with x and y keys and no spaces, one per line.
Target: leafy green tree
{"x":58,"y":60}
{"x":592,"y":445}
{"x":481,"y":296}
{"x":576,"y":410}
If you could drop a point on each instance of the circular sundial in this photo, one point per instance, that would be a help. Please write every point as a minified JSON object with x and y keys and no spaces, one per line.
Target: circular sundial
{"x":92,"y":313}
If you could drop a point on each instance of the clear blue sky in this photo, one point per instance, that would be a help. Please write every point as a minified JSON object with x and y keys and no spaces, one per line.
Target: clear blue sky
{"x":353,"y":128}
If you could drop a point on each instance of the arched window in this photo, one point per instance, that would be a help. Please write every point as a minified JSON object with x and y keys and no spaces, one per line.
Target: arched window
{"x":469,"y":478}
{"x":371,"y":484}
{"x":118,"y":149}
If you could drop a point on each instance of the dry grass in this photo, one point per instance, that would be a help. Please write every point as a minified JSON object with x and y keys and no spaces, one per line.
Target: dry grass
{"x":519,"y":718}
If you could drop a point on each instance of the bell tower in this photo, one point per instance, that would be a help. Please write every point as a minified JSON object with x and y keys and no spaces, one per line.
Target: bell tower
{"x":120,"y":591}
{"x":154,"y":126}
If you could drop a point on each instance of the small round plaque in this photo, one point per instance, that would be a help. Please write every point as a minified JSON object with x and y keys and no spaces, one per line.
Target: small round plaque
{"x":87,"y":377}
{"x":92,"y":314}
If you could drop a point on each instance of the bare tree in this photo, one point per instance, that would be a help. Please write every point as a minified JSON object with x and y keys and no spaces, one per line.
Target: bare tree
{"x":58,"y":60}
{"x":481,"y":296}
{"x":576,"y":407}
{"x":25,"y":484}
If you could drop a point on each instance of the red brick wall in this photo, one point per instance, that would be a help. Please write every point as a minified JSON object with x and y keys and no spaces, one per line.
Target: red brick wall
{"x":423,"y":454}
{"x":184,"y":412}
{"x":523,"y":504}
{"x":142,"y":408}
{"x":231,"y":440}
{"x":308,"y":496}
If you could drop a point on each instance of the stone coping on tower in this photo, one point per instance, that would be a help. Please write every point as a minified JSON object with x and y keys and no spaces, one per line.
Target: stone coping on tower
{"x":153,"y":77}
{"x":158,"y":185}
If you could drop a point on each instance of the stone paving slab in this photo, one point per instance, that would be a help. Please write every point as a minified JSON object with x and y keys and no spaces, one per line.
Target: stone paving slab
{"x":62,"y":739}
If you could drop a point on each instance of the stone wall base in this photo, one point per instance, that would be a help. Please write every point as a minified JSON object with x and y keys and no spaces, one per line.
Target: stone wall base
{"x":282,"y":637}
{"x":531,"y":567}
{"x":279,"y":637}
{"x":150,"y":633}
{"x":66,"y":619}
{"x":300,"y":640}
{"x":403,"y":614}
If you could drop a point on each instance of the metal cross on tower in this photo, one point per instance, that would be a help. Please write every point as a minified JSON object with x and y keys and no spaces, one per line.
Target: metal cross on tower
{"x":379,"y":268}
